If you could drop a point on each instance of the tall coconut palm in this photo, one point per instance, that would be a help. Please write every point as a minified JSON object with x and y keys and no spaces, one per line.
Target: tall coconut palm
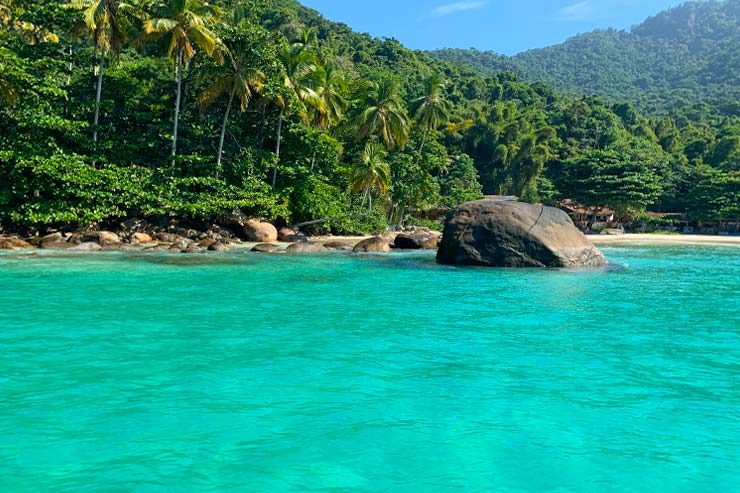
{"x":239,"y":80}
{"x":330,"y":88}
{"x":299,"y":81}
{"x":372,"y":172}
{"x":384,"y":115}
{"x":431,"y":109}
{"x":109,"y":26}
{"x":183,"y":25}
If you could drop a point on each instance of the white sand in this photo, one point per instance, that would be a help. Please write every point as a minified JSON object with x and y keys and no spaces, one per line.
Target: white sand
{"x":665,"y":239}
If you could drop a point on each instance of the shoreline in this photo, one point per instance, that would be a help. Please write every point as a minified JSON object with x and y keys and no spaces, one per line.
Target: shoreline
{"x":642,"y":238}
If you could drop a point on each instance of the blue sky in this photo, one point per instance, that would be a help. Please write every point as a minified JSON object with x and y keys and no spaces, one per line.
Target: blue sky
{"x":505,"y":26}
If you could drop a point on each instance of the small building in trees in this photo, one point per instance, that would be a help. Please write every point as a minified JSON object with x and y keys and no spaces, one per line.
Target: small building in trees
{"x":589,"y":218}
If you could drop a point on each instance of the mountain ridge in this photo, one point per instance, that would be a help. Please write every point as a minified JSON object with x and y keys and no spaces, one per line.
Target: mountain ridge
{"x":682,"y":60}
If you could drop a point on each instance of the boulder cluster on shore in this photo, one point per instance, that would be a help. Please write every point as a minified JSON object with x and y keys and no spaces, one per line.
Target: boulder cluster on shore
{"x":234,"y":232}
{"x":484,"y":233}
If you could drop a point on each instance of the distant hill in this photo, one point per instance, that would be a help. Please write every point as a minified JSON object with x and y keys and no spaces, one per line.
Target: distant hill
{"x":680,"y":61}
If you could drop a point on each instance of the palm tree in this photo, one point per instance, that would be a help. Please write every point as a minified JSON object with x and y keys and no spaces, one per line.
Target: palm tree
{"x":239,"y":80}
{"x":372,"y":172}
{"x":108,"y":25}
{"x":299,"y":77}
{"x":183,"y":26}
{"x":431,"y":109}
{"x":331,"y":85}
{"x":384,"y":115}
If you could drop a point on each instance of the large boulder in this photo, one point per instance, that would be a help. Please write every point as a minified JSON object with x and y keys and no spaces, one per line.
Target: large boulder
{"x":260,"y":232}
{"x":514,"y":234}
{"x":377,"y":244}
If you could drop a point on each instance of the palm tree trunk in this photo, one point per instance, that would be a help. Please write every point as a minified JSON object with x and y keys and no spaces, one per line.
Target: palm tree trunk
{"x":98,"y":94}
{"x":277,"y":149}
{"x":178,"y":79}
{"x":423,"y":141}
{"x":223,"y":131}
{"x":401,"y":215}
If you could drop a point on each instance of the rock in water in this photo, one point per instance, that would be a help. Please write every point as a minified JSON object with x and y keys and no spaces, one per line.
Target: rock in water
{"x":377,"y":244}
{"x":266,"y":248}
{"x":305,"y":247}
{"x":514,"y":234}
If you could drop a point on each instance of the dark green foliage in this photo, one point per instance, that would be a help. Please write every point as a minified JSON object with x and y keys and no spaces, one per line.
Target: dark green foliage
{"x":293,"y":140}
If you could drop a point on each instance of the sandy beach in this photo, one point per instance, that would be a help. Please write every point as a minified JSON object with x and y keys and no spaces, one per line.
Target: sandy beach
{"x":665,"y":239}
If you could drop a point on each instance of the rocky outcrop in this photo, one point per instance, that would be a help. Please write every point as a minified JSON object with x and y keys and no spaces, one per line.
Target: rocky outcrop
{"x":260,"y":232}
{"x":305,"y":247}
{"x":102,"y":238}
{"x":377,"y":244}
{"x":14,"y":243}
{"x":290,"y":235}
{"x":417,"y":241}
{"x":514,"y":234}
{"x":218,"y":246}
{"x":141,"y":238}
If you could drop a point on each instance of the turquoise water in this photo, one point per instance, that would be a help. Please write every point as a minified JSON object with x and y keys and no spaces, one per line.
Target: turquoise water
{"x":241,"y":373}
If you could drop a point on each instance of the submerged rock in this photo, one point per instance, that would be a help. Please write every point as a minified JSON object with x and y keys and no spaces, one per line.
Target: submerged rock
{"x":88,"y":246}
{"x":266,"y":248}
{"x":304,"y":247}
{"x":338,"y":245}
{"x":57,"y":245}
{"x":514,"y":234}
{"x":378,"y":244}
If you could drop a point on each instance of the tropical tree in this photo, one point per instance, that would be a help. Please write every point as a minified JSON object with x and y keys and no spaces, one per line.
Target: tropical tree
{"x":601,"y":179}
{"x":109,"y":26}
{"x":372,"y":172}
{"x":432,"y":108}
{"x":183,"y":25}
{"x":331,"y":104}
{"x":299,"y":81}
{"x":240,"y":79}
{"x":384,"y":115}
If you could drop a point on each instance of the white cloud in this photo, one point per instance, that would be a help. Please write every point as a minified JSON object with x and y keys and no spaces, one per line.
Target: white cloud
{"x":452,"y":8}
{"x":579,"y":11}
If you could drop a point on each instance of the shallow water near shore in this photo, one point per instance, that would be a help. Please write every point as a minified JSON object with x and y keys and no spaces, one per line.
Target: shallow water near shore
{"x":244,"y":372}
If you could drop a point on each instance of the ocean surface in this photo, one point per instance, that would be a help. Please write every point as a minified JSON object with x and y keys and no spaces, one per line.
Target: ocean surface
{"x":238,"y":373}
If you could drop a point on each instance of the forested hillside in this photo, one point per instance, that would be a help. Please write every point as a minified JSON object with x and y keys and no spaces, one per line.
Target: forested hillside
{"x":685,"y":60}
{"x":180,"y":110}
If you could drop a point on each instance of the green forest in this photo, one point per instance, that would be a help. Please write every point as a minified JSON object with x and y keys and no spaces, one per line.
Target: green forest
{"x":188,"y":110}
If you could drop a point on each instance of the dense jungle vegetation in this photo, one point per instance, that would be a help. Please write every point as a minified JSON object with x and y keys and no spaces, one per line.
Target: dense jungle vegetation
{"x":187,"y":110}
